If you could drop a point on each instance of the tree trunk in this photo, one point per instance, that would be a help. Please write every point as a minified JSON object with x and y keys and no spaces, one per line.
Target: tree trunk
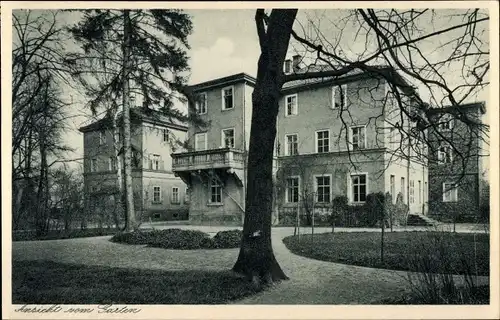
{"x":119,"y":204}
{"x":256,"y":259}
{"x":130,"y":223}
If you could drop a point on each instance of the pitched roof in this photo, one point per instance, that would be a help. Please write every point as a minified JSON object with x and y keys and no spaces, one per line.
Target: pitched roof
{"x":138,"y":115}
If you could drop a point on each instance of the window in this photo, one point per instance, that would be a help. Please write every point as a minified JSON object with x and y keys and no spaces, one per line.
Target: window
{"x":201,"y":103}
{"x":111,"y":164}
{"x":200,"y":141}
{"x":339,"y":96}
{"x":291,"y":144}
{"x":186,"y":195}
{"x":412,"y":191}
{"x":215,"y":192}
{"x":292,"y":189}
{"x":358,"y":140}
{"x":450,"y":192}
{"x":93,"y":189}
{"x":392,"y":188}
{"x":93,"y":165}
{"x":228,"y":138}
{"x":322,"y":141}
{"x":227,"y":98}
{"x":175,"y":195}
{"x":102,"y":138}
{"x":323,"y":189}
{"x":358,"y":188}
{"x":155,"y":162}
{"x":165,"y":135}
{"x":445,"y":154}
{"x":419,"y":192}
{"x":446,"y":122}
{"x":156,"y":194}
{"x":403,"y":189}
{"x":291,"y":105}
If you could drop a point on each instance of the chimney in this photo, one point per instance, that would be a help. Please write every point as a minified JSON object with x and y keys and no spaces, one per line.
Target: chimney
{"x":288,"y":66}
{"x":296,"y":60}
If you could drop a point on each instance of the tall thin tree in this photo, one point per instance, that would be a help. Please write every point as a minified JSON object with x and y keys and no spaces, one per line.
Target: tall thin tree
{"x":133,"y":52}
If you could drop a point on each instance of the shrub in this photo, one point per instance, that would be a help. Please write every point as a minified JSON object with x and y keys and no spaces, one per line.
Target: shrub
{"x":373,"y":209}
{"x":227,"y":239}
{"x":168,"y":238}
{"x":339,"y":208}
{"x":181,"y":239}
{"x":400,"y":211}
{"x":137,"y":237}
{"x":435,"y":262}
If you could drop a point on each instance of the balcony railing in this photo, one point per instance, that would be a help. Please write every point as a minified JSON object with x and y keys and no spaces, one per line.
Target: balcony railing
{"x":208,"y":159}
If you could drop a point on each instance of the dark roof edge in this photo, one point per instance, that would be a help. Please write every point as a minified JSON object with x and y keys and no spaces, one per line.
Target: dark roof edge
{"x":96,"y":126}
{"x":224,"y":81}
{"x":479,"y":104}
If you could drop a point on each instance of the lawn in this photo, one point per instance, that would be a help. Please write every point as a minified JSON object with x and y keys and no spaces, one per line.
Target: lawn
{"x":438,"y":252}
{"x":44,"y":282}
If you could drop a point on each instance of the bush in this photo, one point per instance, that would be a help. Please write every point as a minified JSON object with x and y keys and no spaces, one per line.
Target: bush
{"x":373,"y":209}
{"x":435,"y":262}
{"x":181,"y":239}
{"x":227,"y":239}
{"x":340,"y":204}
{"x":168,"y":238}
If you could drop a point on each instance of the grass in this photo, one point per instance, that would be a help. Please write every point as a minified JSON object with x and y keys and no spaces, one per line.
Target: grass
{"x":44,"y":282}
{"x":480,"y":296}
{"x":400,"y":250}
{"x":62,"y":234}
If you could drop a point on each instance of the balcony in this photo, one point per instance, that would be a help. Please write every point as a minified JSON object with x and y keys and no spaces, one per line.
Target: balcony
{"x":226,"y":158}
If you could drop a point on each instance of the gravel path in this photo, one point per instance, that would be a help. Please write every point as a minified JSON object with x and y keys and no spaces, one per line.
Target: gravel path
{"x":311,"y":281}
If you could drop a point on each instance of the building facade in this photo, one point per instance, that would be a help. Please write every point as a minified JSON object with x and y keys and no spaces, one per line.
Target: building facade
{"x":456,"y":147}
{"x":214,"y":167}
{"x":334,"y":137}
{"x":347,"y":137}
{"x":158,"y":193}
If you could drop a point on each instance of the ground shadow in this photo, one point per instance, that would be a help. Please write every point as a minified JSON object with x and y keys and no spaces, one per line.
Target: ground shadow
{"x":44,"y":282}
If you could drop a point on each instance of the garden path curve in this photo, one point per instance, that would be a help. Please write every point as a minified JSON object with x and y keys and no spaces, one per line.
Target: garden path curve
{"x":311,"y":281}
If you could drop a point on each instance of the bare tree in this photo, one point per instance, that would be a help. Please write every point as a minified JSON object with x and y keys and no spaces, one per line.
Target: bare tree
{"x":39,"y":113}
{"x":394,"y":38}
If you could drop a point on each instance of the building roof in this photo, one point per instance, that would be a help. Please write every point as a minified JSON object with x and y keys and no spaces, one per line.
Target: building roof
{"x":480,"y":105}
{"x":383,"y":71}
{"x":224,"y":81}
{"x":138,"y":115}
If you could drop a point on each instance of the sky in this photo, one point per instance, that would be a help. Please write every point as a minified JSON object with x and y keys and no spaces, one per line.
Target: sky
{"x":225,"y":42}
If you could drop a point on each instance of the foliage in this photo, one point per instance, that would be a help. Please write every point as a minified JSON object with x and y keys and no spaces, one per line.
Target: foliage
{"x":435,"y":260}
{"x":181,"y":239}
{"x":167,"y":238}
{"x":401,"y":248}
{"x":397,"y":212}
{"x":227,"y":239}
{"x":110,"y":285}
